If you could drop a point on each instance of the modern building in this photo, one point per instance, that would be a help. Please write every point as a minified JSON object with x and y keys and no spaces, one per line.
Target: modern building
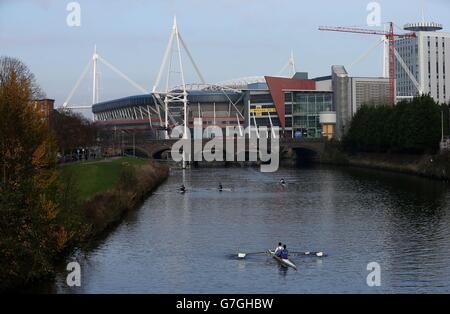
{"x":368,"y":91}
{"x":293,"y":104}
{"x":299,"y":106}
{"x":341,"y":99}
{"x":428,"y":59}
{"x":350,"y":93}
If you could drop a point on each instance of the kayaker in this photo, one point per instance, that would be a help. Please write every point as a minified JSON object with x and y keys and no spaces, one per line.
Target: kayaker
{"x":282,"y":182}
{"x":220,"y":187}
{"x":284,"y":252}
{"x":182,"y":188}
{"x":279,"y":249}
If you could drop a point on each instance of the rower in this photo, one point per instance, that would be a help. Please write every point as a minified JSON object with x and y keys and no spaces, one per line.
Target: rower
{"x":284,"y":252}
{"x":282,"y":182}
{"x":220,"y":187}
{"x":182,"y":188}
{"x":279,"y":249}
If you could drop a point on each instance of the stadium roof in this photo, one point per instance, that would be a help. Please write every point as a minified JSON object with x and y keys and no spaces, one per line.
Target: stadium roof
{"x":194,"y":96}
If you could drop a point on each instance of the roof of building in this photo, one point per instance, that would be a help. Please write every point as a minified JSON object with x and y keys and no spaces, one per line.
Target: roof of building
{"x":323,"y":78}
{"x":300,"y":76}
{"x":194,"y":96}
{"x":124,"y":102}
{"x":423,"y":27}
{"x":339,"y":70}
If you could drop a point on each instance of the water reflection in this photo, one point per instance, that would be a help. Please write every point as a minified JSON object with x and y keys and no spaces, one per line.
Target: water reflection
{"x":188,"y":243}
{"x":416,"y":216}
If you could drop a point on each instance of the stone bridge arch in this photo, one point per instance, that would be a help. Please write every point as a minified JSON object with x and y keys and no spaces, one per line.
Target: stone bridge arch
{"x":310,"y":148}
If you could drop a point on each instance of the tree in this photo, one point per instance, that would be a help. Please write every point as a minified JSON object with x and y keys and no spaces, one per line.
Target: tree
{"x":409,"y":127}
{"x":369,"y":130}
{"x":446,"y":116}
{"x":29,"y":180}
{"x":72,"y":130}
{"x":418,"y":126}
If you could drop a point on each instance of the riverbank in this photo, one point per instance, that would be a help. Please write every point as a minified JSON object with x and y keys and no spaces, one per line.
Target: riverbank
{"x":107,"y":189}
{"x":429,"y":166}
{"x":94,"y":177}
{"x":94,"y":196}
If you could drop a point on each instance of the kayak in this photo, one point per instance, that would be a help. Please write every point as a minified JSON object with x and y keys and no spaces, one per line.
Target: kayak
{"x":284,"y":262}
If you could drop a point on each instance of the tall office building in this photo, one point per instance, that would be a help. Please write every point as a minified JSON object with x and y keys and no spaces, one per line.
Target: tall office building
{"x":427,"y":58}
{"x":371,"y":91}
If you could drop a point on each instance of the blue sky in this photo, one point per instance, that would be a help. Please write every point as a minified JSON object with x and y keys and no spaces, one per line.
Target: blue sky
{"x":228,"y":38}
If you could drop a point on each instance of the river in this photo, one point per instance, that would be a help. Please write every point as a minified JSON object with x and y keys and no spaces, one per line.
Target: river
{"x":187,"y":243}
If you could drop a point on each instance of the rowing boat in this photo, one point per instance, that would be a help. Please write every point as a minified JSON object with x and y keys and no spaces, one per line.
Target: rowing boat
{"x":284,"y":262}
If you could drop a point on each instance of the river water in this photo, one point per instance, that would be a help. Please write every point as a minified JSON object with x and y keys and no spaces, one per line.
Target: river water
{"x":187,"y":243}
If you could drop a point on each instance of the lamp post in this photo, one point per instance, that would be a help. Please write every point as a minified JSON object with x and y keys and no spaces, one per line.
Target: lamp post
{"x":123,"y":145}
{"x":134,"y":144}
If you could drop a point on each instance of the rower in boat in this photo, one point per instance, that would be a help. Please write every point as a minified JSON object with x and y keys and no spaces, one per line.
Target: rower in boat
{"x":182,"y":188}
{"x":284,"y":252}
{"x":283,"y":259}
{"x":282,"y":182}
{"x":279,"y":249}
{"x":220,"y":187}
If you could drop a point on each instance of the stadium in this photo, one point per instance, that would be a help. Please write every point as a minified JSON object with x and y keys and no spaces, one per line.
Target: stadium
{"x":300,"y":106}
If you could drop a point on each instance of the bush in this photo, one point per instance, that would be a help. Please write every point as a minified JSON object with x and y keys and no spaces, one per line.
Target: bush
{"x":106,"y":208}
{"x":127,"y":179}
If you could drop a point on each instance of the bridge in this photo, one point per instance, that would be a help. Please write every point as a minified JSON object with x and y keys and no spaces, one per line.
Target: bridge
{"x":160,"y":149}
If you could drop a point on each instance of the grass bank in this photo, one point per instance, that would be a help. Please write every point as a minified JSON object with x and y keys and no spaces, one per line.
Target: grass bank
{"x":103,"y":191}
{"x":430,"y":166}
{"x":94,"y":177}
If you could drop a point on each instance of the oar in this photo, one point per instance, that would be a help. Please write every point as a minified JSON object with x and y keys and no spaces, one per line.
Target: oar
{"x":318,"y":254}
{"x":244,"y":255}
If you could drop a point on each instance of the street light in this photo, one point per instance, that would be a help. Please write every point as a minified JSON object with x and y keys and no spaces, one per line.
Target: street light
{"x":134,"y":144}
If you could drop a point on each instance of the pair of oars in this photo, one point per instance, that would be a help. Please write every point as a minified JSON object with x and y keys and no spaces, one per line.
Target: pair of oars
{"x":317,"y":254}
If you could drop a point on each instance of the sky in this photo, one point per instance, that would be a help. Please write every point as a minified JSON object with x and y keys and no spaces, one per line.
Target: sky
{"x":228,"y":39}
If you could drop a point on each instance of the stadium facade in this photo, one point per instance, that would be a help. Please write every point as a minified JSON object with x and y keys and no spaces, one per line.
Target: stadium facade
{"x":301,"y":107}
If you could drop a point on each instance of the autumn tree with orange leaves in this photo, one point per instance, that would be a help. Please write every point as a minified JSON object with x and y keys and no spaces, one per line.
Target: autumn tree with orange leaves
{"x":29,"y":184}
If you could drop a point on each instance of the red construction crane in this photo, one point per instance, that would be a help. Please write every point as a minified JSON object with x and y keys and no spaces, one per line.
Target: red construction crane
{"x":390,"y":35}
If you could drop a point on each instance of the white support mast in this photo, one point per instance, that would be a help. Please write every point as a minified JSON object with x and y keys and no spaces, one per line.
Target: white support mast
{"x":290,"y":66}
{"x":184,"y":96}
{"x":366,"y":54}
{"x":292,"y":63}
{"x":77,"y":84}
{"x":94,"y":62}
{"x":179,"y":95}
{"x":95,"y":80}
